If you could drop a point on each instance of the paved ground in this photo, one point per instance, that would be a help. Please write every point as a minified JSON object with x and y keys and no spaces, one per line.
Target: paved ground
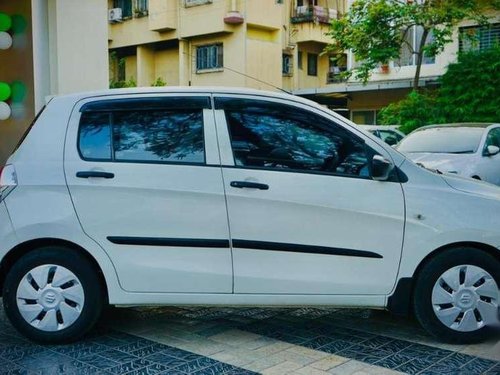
{"x":248,"y":340}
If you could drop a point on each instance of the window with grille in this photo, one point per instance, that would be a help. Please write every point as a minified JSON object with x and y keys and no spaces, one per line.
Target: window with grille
{"x":479,"y":38}
{"x":209,"y":57}
{"x":192,"y":3}
{"x":142,"y":6}
{"x":126,"y":7}
{"x":287,"y":65}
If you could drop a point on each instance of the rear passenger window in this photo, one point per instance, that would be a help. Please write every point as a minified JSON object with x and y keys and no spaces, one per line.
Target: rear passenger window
{"x":156,"y":135}
{"x":169,"y":136}
{"x":95,"y":136}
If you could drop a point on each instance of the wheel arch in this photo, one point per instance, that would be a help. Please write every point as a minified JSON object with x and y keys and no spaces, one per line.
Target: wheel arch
{"x":24,"y":248}
{"x":400,"y":303}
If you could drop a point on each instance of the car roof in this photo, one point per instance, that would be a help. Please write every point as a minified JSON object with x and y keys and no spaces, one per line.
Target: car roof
{"x":183,"y":90}
{"x":482,"y":125}
{"x":381,"y":127}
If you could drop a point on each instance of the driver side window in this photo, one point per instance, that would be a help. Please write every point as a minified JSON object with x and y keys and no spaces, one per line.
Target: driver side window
{"x":274,"y":136}
{"x":493,"y":138}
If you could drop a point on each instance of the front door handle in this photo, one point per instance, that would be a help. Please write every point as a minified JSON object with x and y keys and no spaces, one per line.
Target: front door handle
{"x":95,"y":174}
{"x":249,"y":185}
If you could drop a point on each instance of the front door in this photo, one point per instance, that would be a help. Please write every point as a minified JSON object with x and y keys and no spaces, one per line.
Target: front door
{"x":304,"y":213}
{"x":145,"y":179}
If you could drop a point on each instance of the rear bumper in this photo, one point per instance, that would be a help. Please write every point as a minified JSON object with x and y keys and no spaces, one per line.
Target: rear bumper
{"x":8,"y":237}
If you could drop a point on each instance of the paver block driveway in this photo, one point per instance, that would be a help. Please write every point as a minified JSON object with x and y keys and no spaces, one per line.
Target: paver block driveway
{"x":248,"y":340}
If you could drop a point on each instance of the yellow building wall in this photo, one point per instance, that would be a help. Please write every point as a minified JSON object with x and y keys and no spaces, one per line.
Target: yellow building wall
{"x":234,"y":61}
{"x":145,"y":66}
{"x":167,"y":66}
{"x":205,"y":19}
{"x":305,"y":80}
{"x":136,"y":31}
{"x":264,"y":66}
{"x":264,"y":13}
{"x":131,"y":68}
{"x":163,"y":15}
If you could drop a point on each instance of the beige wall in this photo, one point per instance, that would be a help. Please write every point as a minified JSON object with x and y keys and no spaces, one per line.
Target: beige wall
{"x":145,"y":65}
{"x":305,"y":80}
{"x":163,"y":15}
{"x":167,"y":66}
{"x":205,"y":19}
{"x":131,"y":68}
{"x":234,"y":61}
{"x":77,"y":36}
{"x":264,"y":13}
{"x":264,"y":56}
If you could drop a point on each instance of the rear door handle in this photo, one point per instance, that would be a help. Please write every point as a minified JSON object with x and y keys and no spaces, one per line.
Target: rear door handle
{"x":249,"y":185}
{"x":95,"y":174}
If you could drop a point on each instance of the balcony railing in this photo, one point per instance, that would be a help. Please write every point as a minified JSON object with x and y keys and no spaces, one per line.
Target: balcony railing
{"x":335,"y":77}
{"x":315,"y":14}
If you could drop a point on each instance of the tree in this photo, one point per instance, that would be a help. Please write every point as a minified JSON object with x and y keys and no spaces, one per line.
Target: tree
{"x":416,"y":110}
{"x":469,"y":92}
{"x":377,"y":30}
{"x":470,"y":88}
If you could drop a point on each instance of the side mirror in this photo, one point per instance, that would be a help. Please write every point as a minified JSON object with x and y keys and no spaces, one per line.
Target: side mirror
{"x":491,"y":150}
{"x":381,"y":168}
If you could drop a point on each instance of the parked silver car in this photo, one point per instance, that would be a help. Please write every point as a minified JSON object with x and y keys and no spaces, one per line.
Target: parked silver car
{"x":466,"y":149}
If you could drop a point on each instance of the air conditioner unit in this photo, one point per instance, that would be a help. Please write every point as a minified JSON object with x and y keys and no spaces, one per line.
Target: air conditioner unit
{"x":115,"y":15}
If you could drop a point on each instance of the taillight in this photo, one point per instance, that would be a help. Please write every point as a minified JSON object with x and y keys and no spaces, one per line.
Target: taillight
{"x":8,"y":180}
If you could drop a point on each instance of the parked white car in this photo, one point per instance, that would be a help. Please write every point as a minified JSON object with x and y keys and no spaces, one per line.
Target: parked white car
{"x":390,"y":134}
{"x":199,"y":196}
{"x":468,"y":150}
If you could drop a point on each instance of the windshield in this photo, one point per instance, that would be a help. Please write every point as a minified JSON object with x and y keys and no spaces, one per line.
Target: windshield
{"x":456,"y":140}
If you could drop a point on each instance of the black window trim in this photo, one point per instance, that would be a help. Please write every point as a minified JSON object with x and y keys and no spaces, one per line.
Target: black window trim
{"x":132,"y":161}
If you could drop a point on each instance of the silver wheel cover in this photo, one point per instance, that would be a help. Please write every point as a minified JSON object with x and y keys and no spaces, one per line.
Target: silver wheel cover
{"x":465,"y":298}
{"x":50,"y":297}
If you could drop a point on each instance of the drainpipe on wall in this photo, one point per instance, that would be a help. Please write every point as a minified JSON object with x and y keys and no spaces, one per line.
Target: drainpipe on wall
{"x":234,"y":17}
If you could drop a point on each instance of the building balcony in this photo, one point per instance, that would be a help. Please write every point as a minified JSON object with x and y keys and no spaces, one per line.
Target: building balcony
{"x":316,"y":14}
{"x":335,"y":77}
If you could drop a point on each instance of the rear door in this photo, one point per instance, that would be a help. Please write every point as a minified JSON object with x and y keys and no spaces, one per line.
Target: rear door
{"x":305,"y":215}
{"x":145,"y":179}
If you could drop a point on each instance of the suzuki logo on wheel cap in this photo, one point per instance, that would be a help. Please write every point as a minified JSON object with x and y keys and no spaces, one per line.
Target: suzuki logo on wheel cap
{"x":465,"y":299}
{"x":50,"y":297}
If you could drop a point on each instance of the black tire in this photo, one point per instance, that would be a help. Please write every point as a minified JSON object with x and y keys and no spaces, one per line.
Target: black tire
{"x":428,"y":276}
{"x":88,"y":277}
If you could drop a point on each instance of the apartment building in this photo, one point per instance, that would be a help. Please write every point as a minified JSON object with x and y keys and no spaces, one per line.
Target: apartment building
{"x":264,"y":44}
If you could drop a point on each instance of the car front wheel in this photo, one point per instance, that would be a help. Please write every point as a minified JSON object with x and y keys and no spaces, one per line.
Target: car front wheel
{"x":457,"y":295}
{"x":53,"y":295}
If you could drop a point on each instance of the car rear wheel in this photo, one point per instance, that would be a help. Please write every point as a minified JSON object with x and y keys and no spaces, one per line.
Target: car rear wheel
{"x":457,"y":295}
{"x":53,"y":295}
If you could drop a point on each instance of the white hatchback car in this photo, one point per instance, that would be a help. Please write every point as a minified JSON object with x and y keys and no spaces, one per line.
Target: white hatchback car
{"x":197,"y":196}
{"x":469,"y":150}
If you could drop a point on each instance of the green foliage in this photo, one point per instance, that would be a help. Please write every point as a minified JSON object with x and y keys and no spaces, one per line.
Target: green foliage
{"x":416,"y":110}
{"x":470,"y":88}
{"x":376,"y":30}
{"x":114,"y":84}
{"x":469,"y":92}
{"x":159,"y":82}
